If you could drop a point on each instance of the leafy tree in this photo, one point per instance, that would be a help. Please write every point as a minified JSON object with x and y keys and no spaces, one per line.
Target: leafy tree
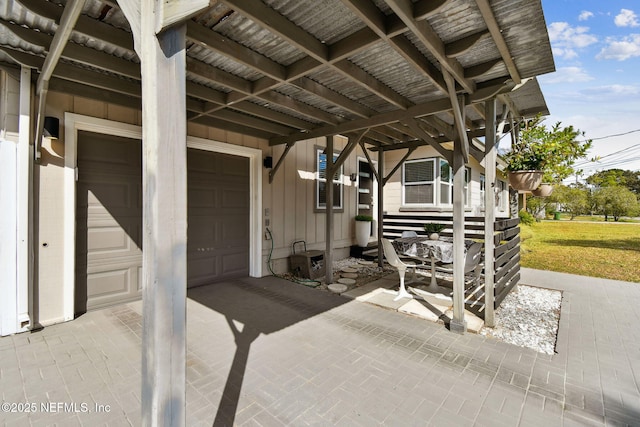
{"x":574,"y":200}
{"x":616,"y":177}
{"x":552,"y":150}
{"x":615,"y":201}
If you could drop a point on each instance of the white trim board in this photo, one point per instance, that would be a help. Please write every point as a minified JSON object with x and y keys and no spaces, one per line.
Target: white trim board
{"x":75,"y":122}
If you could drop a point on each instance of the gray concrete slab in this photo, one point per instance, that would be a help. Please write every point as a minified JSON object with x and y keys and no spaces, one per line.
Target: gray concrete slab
{"x":266,"y":352}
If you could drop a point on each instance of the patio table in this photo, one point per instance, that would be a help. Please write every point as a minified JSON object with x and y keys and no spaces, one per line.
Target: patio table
{"x":424,"y":249}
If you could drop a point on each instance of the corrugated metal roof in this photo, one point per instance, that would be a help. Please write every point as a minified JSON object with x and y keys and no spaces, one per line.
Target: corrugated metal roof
{"x":325,"y":66}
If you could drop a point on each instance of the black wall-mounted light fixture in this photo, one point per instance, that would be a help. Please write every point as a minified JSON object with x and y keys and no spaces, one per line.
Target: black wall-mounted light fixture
{"x":268,"y":162}
{"x":51,"y":127}
{"x":353,"y":177}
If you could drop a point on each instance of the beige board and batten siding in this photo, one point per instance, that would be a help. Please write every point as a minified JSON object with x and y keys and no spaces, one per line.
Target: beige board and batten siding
{"x":287,"y":203}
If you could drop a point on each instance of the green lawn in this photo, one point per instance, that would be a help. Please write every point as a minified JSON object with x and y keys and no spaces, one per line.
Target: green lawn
{"x":608,"y":250}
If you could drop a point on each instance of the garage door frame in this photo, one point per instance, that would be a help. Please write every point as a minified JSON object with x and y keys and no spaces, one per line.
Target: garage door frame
{"x":75,"y":122}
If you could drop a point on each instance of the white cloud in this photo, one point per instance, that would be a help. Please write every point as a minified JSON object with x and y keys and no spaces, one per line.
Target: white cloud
{"x":584,"y":15}
{"x":568,"y":75}
{"x":566,"y":39}
{"x":626,"y":18}
{"x":621,"y":49}
{"x":613,"y":91}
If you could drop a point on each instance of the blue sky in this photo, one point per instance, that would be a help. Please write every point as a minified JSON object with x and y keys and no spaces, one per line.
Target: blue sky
{"x":596,"y":86}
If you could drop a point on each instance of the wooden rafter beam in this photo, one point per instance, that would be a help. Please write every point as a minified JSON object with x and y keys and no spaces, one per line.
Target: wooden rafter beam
{"x":464,"y":44}
{"x":427,"y":109}
{"x":422,"y":29}
{"x":496,"y":33}
{"x":425,"y":8}
{"x":377,"y":21}
{"x":457,"y":104}
{"x":423,"y":135}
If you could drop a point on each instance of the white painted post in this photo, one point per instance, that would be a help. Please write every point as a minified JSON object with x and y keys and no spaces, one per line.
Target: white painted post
{"x":25,"y":292}
{"x":489,"y":210}
{"x":328,"y":256}
{"x":458,"y":323}
{"x":381,"y":182}
{"x":164,"y":180}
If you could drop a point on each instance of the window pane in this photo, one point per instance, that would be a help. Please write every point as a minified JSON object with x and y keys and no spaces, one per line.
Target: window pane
{"x":322,"y":195}
{"x":418,"y":194}
{"x":445,"y":171}
{"x":421,"y":171}
{"x":445,"y":194}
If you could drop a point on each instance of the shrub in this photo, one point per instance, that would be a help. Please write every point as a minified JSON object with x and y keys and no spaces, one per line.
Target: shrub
{"x":432,"y":227}
{"x":526,"y":218}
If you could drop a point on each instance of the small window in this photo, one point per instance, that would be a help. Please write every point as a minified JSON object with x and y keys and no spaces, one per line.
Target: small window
{"x":418,"y":178}
{"x":321,"y":182}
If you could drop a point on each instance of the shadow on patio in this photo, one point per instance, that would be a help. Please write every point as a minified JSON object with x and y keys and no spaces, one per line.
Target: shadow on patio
{"x":253,"y":307}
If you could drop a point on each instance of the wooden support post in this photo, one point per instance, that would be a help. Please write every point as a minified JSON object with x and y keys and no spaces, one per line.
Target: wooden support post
{"x":329,"y":171}
{"x":164,"y":180}
{"x":381,"y":182}
{"x":458,"y":324}
{"x":489,"y":210}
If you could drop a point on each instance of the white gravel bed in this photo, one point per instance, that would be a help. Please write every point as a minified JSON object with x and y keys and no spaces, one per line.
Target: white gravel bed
{"x":528,"y":317}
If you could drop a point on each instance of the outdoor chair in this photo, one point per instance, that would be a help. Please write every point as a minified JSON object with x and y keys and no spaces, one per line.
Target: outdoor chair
{"x":394,"y":260}
{"x":472,"y":266}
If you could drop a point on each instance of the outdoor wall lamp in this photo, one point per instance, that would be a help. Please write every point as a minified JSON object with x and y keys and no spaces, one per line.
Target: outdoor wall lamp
{"x":268,"y":162}
{"x":51,"y":127}
{"x":353,"y":177}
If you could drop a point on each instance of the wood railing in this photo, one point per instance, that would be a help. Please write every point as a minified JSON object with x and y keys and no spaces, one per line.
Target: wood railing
{"x":506,"y":241}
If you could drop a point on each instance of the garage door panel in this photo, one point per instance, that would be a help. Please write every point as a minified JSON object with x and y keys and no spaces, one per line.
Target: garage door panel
{"x":112,"y":287}
{"x":109,"y":219}
{"x":233,"y":263}
{"x":201,"y":198}
{"x":235,"y":198}
{"x":111,"y":240}
{"x":202,"y":269}
{"x":109,"y":282}
{"x":114,"y":195}
{"x":235,"y":234}
{"x":234,"y":166}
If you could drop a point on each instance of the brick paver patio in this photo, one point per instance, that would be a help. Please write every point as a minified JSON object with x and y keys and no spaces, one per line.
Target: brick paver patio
{"x":266,"y":352}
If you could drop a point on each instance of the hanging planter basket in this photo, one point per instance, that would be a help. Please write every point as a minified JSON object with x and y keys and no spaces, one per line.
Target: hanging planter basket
{"x":544,"y":190}
{"x":525,"y":180}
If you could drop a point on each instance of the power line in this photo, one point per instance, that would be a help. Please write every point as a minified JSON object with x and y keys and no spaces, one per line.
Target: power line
{"x":615,"y":135}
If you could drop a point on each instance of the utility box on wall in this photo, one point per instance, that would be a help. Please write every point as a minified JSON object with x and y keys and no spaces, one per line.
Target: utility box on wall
{"x":307,"y":264}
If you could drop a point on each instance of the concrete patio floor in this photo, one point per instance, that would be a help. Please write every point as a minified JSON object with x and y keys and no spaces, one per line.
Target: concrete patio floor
{"x":266,"y":352}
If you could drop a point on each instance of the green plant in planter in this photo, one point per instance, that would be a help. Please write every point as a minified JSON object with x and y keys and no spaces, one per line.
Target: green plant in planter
{"x":364,"y":218}
{"x":552,"y":151}
{"x":432,"y":227}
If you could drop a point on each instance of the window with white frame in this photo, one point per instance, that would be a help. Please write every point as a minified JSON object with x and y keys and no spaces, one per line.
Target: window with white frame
{"x":446,"y":184}
{"x":418,"y":182}
{"x":429,"y":182}
{"x":321,"y":182}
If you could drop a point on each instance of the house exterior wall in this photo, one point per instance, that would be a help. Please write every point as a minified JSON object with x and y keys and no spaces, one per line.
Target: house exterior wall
{"x":287,"y":204}
{"x":9,"y":104}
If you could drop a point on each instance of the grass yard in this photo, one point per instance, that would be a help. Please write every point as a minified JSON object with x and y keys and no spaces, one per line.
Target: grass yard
{"x":608,"y":250}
